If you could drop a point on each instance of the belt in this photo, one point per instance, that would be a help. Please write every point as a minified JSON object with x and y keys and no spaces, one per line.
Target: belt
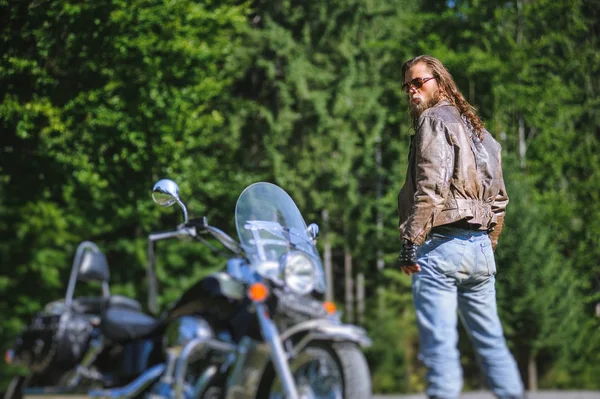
{"x":463,"y":224}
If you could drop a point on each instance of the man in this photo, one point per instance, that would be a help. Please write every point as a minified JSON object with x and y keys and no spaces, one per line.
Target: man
{"x":451,"y":211}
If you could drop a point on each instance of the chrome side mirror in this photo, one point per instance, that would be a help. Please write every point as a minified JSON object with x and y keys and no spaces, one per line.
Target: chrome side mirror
{"x":166,"y":193}
{"x":313,"y":231}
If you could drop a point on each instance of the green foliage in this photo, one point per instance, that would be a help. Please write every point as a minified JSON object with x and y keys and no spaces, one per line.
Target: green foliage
{"x":541,"y":303}
{"x":100,"y":99}
{"x":395,"y":344}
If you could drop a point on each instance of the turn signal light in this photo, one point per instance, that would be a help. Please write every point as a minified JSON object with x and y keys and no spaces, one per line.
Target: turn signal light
{"x":258,"y":292}
{"x":329,"y":307}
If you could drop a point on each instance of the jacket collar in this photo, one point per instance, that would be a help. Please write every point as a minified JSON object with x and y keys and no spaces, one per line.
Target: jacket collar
{"x":443,"y":103}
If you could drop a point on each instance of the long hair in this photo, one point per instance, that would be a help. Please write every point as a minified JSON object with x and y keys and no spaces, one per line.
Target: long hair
{"x":449,"y":90}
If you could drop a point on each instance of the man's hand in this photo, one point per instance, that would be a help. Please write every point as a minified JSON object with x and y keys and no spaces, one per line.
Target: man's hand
{"x":408,"y":258}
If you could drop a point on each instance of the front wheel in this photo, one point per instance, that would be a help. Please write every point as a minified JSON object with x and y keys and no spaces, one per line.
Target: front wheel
{"x":18,"y":384}
{"x":325,"y":371}
{"x":16,"y":387}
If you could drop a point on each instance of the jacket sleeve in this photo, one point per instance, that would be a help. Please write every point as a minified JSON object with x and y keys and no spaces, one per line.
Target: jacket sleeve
{"x":434,"y":165}
{"x":499,"y":208}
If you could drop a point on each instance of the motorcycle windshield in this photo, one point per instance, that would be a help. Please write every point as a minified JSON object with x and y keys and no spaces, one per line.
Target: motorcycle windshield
{"x":269,"y":225}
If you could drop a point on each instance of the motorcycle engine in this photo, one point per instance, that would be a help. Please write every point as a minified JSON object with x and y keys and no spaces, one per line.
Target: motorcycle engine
{"x":185,"y":329}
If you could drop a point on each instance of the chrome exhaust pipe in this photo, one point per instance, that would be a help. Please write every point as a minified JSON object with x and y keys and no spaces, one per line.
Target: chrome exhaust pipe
{"x":48,"y":391}
{"x":134,"y":388}
{"x":194,"y":347}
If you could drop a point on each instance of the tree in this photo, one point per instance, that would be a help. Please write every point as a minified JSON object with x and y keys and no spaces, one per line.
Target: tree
{"x":97,"y":101}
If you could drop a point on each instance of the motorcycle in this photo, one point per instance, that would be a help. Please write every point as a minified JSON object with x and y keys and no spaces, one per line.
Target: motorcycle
{"x":256,"y":329}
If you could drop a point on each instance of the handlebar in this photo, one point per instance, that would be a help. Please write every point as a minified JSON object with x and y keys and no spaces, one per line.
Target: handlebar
{"x":190,"y":229}
{"x":225,"y":239}
{"x":180,"y":232}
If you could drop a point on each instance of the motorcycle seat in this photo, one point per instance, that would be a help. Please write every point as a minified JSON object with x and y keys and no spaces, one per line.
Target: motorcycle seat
{"x":123,"y":301}
{"x":122,"y":324}
{"x":97,"y":304}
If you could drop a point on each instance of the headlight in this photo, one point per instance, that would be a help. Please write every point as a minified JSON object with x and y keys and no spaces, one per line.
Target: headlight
{"x":299,"y":272}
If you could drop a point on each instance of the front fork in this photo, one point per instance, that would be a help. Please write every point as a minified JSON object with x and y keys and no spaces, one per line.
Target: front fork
{"x":278,"y":355}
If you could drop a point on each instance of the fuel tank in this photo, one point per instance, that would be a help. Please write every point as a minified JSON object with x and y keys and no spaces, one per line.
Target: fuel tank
{"x":217,"y":295}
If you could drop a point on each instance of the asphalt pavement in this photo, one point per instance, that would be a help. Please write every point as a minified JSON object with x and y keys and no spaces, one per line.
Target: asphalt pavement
{"x":488,"y":395}
{"x":466,"y":395}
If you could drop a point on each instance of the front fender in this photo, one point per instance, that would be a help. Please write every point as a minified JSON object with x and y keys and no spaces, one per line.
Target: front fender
{"x":295,"y":339}
{"x":324,"y":330}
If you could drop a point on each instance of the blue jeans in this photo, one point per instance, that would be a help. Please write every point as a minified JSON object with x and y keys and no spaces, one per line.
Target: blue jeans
{"x":457,"y":271}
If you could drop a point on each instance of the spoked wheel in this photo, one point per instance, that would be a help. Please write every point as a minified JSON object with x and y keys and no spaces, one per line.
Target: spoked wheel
{"x":337,"y":371}
{"x":16,"y":387}
{"x":18,"y":384}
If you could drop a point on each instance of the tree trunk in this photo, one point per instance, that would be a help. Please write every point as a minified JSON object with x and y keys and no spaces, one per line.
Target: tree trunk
{"x":380,"y":301}
{"x":471,"y":91}
{"x":327,"y":259}
{"x":360,"y":298}
{"x":522,"y":143}
{"x":379,"y":191}
{"x":349,"y":287}
{"x":532,"y":373}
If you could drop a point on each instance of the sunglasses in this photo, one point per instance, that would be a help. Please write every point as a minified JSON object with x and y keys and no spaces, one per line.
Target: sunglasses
{"x":417,"y":83}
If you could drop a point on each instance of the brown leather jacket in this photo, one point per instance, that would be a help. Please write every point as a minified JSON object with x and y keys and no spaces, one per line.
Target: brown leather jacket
{"x":452,"y":177}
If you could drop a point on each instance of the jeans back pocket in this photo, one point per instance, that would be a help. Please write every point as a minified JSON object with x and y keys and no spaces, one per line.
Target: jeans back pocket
{"x":445,"y":254}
